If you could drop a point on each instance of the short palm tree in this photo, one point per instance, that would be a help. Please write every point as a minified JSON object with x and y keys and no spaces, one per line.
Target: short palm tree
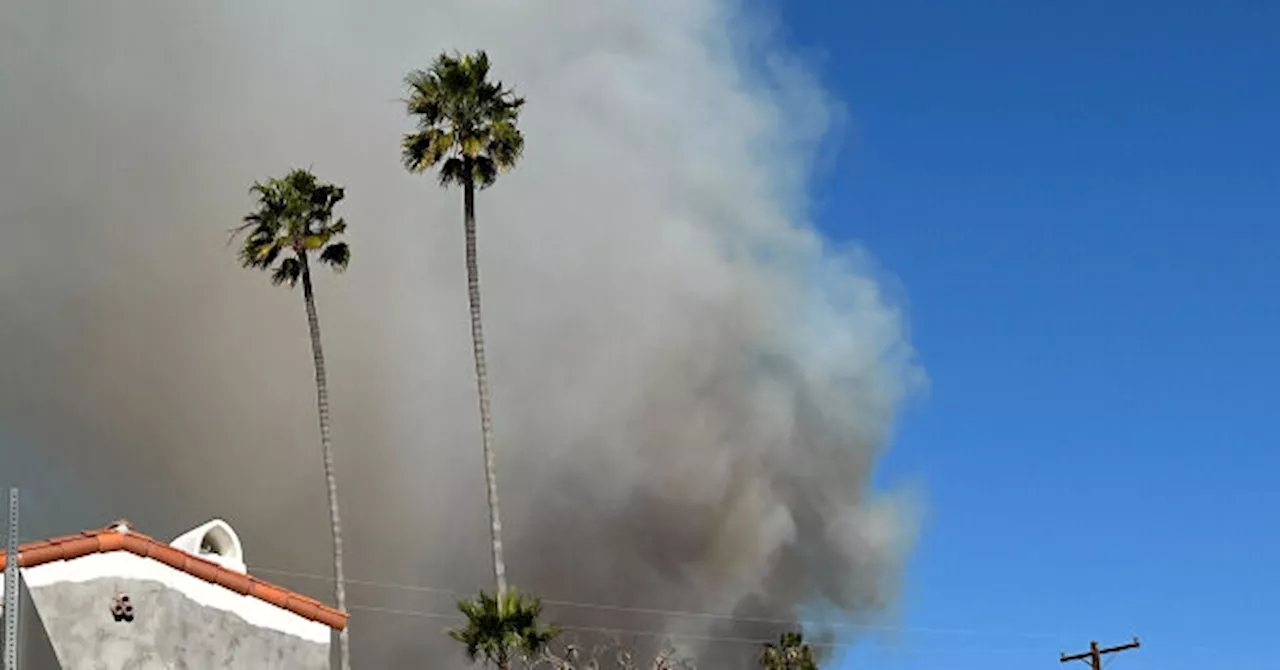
{"x":292,"y":223}
{"x":466,"y":125}
{"x":791,"y":653}
{"x":503,"y":629}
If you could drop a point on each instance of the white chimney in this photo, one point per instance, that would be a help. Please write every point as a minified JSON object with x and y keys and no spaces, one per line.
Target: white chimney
{"x":215,"y":541}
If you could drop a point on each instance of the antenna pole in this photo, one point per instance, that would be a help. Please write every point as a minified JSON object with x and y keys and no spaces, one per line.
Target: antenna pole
{"x":11,"y":593}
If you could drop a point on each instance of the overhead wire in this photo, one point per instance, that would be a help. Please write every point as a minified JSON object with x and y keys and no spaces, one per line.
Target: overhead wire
{"x":671,"y":635}
{"x":673,"y":613}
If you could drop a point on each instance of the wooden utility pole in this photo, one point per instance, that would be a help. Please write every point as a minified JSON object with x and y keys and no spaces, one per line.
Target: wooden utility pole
{"x":1094,"y":655}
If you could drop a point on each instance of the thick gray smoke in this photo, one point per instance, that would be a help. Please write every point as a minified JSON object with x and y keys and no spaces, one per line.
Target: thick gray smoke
{"x":690,"y":392}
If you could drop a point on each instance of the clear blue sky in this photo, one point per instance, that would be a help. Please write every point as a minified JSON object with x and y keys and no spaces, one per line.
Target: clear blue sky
{"x":1082,"y":202}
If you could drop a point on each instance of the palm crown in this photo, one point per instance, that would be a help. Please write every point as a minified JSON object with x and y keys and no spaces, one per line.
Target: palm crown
{"x":466,"y":123}
{"x":501,"y":627}
{"x":294,"y":218}
{"x":791,"y":653}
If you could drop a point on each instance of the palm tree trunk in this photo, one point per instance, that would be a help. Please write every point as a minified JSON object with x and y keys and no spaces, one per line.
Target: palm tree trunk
{"x":482,"y":384}
{"x":326,"y":448}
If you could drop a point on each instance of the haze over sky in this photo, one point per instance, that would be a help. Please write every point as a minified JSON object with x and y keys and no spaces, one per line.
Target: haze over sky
{"x":1070,"y":198}
{"x":1080,"y":200}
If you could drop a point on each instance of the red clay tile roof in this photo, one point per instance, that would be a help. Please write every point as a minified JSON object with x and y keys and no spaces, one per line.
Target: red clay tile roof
{"x":105,"y":540}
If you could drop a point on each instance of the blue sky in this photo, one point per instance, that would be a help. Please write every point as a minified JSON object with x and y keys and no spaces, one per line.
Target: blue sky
{"x":1081,"y":202}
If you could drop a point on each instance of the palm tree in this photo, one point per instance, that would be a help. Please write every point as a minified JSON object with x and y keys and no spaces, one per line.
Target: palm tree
{"x":293,"y":221}
{"x":791,"y":653}
{"x":502,"y":629}
{"x":467,"y":126}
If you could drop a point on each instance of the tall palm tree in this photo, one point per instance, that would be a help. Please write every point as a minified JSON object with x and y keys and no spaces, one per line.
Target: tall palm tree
{"x":791,"y":653}
{"x":294,"y":221}
{"x":467,"y":126}
{"x":502,"y":629}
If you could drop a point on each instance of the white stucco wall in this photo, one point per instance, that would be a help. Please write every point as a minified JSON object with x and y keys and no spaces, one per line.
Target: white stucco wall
{"x":168,"y":631}
{"x":127,"y":566}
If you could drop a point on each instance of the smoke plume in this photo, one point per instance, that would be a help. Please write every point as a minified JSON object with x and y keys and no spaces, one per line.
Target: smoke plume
{"x":690,"y":391}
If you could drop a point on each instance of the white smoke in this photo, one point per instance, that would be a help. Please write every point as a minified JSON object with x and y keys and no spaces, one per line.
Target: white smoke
{"x":690,"y":393}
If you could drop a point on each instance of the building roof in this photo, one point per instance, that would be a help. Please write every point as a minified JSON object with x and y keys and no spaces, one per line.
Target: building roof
{"x":121,"y":538}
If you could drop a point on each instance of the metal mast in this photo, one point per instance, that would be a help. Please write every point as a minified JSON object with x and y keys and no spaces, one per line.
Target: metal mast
{"x":11,"y":592}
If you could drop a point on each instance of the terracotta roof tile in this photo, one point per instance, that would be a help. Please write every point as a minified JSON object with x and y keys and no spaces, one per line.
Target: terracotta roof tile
{"x":106,"y":540}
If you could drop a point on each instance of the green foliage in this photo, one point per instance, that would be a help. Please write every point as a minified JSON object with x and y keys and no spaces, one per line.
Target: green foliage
{"x":466,"y":124}
{"x":503,"y":630}
{"x":791,"y":653}
{"x":294,"y":218}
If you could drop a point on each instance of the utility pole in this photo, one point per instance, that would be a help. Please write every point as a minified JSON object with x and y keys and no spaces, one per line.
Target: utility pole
{"x":1094,"y":655}
{"x":11,"y":608}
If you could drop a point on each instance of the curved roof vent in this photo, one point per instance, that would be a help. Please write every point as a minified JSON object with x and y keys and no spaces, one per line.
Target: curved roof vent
{"x":215,"y":541}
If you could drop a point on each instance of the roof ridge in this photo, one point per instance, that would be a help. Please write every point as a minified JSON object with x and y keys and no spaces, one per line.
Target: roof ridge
{"x":110,"y":539}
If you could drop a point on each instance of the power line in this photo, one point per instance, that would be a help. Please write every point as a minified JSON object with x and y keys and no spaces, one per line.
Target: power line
{"x":658,"y":634}
{"x":667,"y":612}
{"x":583,"y":629}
